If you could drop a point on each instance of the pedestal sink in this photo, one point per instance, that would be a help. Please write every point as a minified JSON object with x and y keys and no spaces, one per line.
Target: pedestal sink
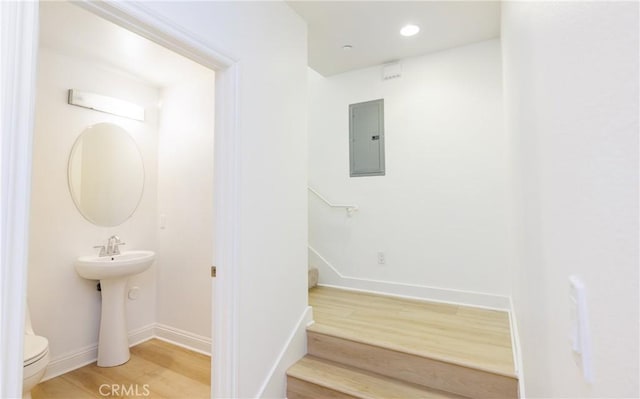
{"x":113,"y":272}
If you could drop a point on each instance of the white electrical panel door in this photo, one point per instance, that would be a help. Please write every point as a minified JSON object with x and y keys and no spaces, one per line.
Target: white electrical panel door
{"x":366,"y":138}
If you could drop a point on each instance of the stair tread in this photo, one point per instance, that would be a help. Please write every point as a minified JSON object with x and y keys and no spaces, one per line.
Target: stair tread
{"x":359,"y":383}
{"x":465,"y":336}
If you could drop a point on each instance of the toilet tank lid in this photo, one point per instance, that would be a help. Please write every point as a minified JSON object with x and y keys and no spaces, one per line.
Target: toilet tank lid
{"x":35,"y":347}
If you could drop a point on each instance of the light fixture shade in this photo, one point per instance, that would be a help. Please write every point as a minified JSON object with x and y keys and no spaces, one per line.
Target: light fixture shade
{"x":106,"y":104}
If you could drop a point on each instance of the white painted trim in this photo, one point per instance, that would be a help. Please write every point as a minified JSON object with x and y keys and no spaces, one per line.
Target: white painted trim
{"x":224,"y":370}
{"x":73,"y":360}
{"x":139,"y":19}
{"x":517,"y":352}
{"x":81,"y":357}
{"x":330,"y":276}
{"x":185,"y":339}
{"x":18,"y":46}
{"x":141,"y":334}
{"x":295,"y":347}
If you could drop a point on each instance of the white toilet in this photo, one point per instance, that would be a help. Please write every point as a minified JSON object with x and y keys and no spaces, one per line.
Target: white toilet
{"x":36,"y":358}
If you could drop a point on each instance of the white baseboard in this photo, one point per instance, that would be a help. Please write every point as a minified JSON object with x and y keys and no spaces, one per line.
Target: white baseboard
{"x":185,"y":339}
{"x":330,"y":276}
{"x":89,"y":354}
{"x":141,"y":334}
{"x":517,"y":353}
{"x":274,"y":386}
{"x":71,"y":361}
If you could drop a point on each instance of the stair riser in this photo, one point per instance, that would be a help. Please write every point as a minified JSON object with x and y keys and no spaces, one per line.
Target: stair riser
{"x":411,"y":368}
{"x":299,"y":389}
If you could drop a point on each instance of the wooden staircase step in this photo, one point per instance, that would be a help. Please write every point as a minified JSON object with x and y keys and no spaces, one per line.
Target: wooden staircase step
{"x":464,"y":380}
{"x":365,"y":345}
{"x":459,"y":334}
{"x":447,"y":347}
{"x":313,"y":378}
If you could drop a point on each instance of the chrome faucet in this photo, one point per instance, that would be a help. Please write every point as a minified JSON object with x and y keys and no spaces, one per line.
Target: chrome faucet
{"x":112,"y":247}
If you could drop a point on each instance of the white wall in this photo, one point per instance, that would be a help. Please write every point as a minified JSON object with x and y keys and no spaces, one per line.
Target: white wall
{"x":571,"y":95}
{"x":268,"y":41}
{"x":439,"y":213}
{"x":185,"y":198}
{"x":65,"y":308}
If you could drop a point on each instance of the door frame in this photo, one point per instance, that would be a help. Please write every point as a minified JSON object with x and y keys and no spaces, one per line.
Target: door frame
{"x":18,"y":49}
{"x":16,"y":172}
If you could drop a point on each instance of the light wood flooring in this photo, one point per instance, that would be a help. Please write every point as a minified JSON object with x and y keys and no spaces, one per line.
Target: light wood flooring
{"x":156,"y":370}
{"x":460,"y":335}
{"x":370,"y":346}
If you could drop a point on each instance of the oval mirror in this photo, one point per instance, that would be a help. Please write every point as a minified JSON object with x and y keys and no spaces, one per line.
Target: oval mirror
{"x":106,"y":174}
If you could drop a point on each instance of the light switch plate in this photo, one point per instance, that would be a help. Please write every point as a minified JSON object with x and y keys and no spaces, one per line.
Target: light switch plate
{"x":579,"y":327}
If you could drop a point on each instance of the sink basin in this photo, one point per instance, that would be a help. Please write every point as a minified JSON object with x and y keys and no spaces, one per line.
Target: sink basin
{"x":113,"y":272}
{"x":108,"y":267}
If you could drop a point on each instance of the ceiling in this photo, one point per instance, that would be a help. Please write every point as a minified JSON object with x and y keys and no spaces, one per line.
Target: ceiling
{"x":372,"y":28}
{"x":72,"y":31}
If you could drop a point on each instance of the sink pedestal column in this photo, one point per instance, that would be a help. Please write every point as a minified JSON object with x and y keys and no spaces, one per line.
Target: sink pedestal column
{"x":113,"y":344}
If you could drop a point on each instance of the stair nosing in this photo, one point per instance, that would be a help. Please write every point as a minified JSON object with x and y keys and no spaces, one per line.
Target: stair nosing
{"x":316,"y":328}
{"x":355,"y":393}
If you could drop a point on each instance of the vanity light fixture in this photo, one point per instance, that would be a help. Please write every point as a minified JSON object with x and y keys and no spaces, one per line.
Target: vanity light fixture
{"x":409,"y":30}
{"x":106,"y":104}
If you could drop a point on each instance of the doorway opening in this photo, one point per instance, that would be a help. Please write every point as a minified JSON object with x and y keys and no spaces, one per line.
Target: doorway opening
{"x":173,"y":300}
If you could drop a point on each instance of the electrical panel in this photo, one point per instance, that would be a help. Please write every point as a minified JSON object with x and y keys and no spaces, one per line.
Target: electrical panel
{"x":366,"y":138}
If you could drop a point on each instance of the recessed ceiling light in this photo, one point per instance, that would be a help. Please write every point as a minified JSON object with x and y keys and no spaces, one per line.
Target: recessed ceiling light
{"x":409,"y":30}
{"x":347,"y":47}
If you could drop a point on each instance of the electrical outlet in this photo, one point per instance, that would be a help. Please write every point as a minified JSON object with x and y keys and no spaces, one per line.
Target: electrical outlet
{"x":382,"y":259}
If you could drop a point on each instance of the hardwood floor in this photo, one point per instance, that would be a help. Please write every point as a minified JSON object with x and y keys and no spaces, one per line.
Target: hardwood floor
{"x":461,"y":335}
{"x":156,"y":370}
{"x":371,"y":346}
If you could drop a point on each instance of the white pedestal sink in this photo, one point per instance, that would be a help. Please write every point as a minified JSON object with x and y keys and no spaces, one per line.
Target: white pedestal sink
{"x":113,"y":272}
